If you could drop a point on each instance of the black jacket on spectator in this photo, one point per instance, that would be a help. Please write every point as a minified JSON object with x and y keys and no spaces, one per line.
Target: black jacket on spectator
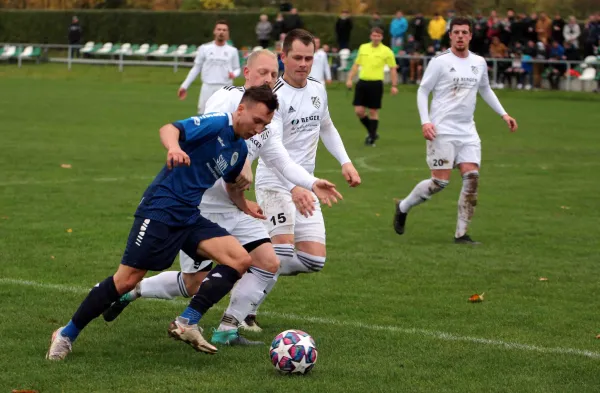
{"x":479,"y":43}
{"x":291,"y":22}
{"x":557,"y":34}
{"x":75,"y":34}
{"x":277,"y":29}
{"x":418,"y":27}
{"x":572,"y":54}
{"x":519,"y":29}
{"x":343,"y":28}
{"x":506,"y":31}
{"x":411,"y":47}
{"x":530,"y":33}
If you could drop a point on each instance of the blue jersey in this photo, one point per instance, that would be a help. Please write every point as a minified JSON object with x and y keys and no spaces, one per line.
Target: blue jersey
{"x":214,"y":151}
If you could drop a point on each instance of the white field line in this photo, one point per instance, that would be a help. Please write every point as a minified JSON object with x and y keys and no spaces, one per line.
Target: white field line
{"x":34,"y":182}
{"x":444,"y":336}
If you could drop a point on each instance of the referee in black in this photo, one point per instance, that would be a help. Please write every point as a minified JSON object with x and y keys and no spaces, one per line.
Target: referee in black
{"x":372,"y":58}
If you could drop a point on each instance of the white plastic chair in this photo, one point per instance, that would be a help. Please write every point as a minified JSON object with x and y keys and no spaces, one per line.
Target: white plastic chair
{"x":26,"y":52}
{"x":181,"y":49}
{"x":87,"y":47}
{"x":143,"y":50}
{"x":106,"y":48}
{"x":257,"y":48}
{"x":124,"y":49}
{"x":8,"y":52}
{"x":590,"y":60}
{"x":588,"y":74}
{"x":160,"y":51}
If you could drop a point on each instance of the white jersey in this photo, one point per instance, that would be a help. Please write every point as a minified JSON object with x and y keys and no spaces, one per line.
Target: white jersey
{"x":302,"y":117}
{"x":216,"y":198}
{"x":214,"y":62}
{"x":320,"y":69}
{"x":455,"y":82}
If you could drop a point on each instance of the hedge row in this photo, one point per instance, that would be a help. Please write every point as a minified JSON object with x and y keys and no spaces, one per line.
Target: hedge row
{"x":155,"y":27}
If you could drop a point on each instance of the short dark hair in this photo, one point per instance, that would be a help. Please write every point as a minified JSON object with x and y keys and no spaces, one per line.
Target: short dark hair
{"x":261,"y":94}
{"x":377,"y":30}
{"x":297,"y":35}
{"x":222,"y":22}
{"x":460,"y":21}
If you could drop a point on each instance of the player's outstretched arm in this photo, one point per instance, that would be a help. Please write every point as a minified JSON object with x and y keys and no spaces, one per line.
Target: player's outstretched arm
{"x":169,"y":136}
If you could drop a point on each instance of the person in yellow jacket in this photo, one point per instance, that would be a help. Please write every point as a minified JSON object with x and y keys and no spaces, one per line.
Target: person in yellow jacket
{"x":436,"y":30}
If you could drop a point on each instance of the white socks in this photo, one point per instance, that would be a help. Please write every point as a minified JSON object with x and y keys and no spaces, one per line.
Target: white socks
{"x":294,"y":262}
{"x":247,"y":294}
{"x":467,"y":202}
{"x":166,"y":285}
{"x":422,"y":192}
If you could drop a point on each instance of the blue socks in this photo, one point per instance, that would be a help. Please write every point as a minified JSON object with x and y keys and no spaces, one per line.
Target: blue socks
{"x":71,"y":331}
{"x":191,"y":315}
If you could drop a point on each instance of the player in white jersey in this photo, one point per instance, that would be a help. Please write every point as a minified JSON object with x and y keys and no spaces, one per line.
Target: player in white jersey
{"x":320,"y":69}
{"x":218,"y":62}
{"x":303,"y":118}
{"x":455,"y":76}
{"x":216,"y":206}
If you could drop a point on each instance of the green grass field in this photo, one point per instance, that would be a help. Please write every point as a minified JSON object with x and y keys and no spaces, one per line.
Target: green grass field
{"x":389,"y":313}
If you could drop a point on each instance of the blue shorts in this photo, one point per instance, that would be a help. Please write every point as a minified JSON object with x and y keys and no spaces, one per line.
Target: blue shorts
{"x":153,"y":245}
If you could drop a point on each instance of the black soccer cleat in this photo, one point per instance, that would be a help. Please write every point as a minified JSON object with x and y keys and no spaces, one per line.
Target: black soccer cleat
{"x":465,"y":239}
{"x":115,"y":310}
{"x":399,"y":219}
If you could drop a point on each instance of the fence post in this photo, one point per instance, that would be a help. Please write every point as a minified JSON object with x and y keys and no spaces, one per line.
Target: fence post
{"x":121,"y":62}
{"x":175,"y":65}
{"x":69,"y":58}
{"x":495,"y":72}
{"x":20,"y":57}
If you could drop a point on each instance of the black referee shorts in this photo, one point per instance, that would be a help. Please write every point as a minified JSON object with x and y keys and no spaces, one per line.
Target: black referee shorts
{"x":368,"y":94}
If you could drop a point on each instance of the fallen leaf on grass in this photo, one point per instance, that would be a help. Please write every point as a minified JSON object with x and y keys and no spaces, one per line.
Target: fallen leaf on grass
{"x":69,"y":230}
{"x":66,"y":166}
{"x":51,"y":256}
{"x":476,"y":298}
{"x":565,"y":207}
{"x":5,"y":217}
{"x":25,"y":391}
{"x":598,"y":336}
{"x":377,"y":214}
{"x":543,"y":279}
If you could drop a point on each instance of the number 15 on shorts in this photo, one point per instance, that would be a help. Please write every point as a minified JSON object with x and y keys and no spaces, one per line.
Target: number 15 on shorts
{"x":280,"y":219}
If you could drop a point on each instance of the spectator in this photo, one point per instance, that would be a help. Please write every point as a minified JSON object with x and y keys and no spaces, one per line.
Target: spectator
{"x":278,"y":27}
{"x":571,"y":32}
{"x":436,"y":30}
{"x":335,"y":62}
{"x":343,"y":29}
{"x":494,"y":26}
{"x":571,"y":52}
{"x":558,"y":24}
{"x":499,"y":51}
{"x":264,"y":28}
{"x":403,"y":66}
{"x":75,"y":36}
{"x":506,"y":31}
{"x":398,"y":28}
{"x":449,"y":16}
{"x":516,"y":68}
{"x":531,"y":33}
{"x":543,"y":28}
{"x":412,"y":48}
{"x":292,"y":21}
{"x":557,"y":52}
{"x":376,"y":21}
{"x":418,"y":27}
{"x":430,"y":52}
{"x":519,"y":28}
{"x":479,"y":44}
{"x":591,"y":33}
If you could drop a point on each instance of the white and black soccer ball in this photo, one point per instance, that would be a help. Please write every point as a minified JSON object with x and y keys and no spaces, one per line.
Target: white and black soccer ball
{"x":293,"y":351}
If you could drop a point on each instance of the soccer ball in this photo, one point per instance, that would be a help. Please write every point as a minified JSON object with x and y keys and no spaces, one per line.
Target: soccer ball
{"x":293,"y":351}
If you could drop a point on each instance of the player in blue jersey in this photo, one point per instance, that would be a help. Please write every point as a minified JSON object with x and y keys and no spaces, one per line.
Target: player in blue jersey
{"x":201,"y":150}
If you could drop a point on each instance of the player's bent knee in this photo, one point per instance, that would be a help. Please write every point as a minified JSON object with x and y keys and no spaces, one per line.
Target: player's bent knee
{"x":126,"y":278}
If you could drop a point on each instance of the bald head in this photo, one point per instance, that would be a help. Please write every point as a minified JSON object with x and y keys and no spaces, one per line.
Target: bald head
{"x":261,"y":68}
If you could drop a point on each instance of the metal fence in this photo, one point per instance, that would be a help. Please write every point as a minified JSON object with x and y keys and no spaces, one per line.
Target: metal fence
{"x":65,"y":54}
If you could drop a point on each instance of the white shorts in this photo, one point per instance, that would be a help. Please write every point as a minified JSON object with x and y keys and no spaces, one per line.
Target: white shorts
{"x":244,"y":228}
{"x":206,"y":91}
{"x":446,"y":152}
{"x":284,"y":219}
